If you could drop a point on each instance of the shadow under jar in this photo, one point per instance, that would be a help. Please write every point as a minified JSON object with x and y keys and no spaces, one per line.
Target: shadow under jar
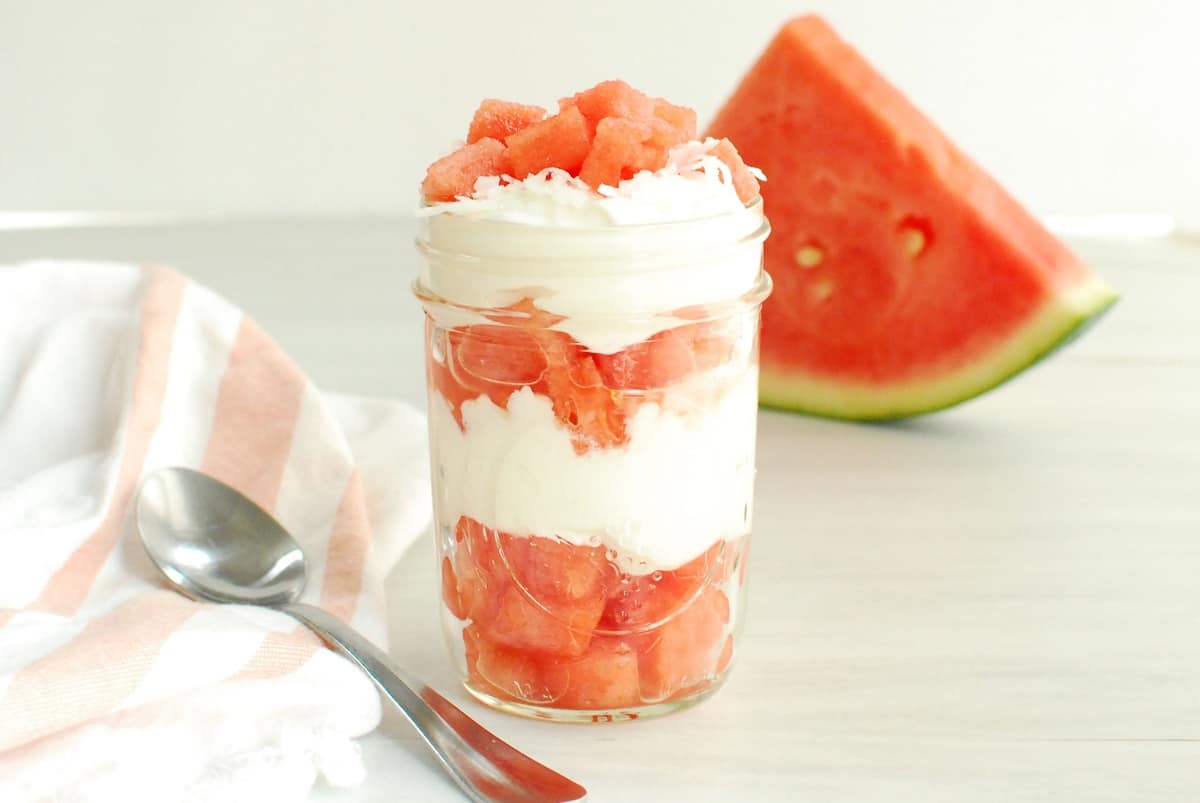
{"x":592,"y":406}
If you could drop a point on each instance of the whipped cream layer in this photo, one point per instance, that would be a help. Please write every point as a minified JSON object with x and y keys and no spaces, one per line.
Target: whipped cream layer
{"x":615,"y":265}
{"x":682,"y":483}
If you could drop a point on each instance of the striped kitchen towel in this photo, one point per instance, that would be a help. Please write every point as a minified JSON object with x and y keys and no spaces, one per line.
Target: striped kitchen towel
{"x":111,"y":685}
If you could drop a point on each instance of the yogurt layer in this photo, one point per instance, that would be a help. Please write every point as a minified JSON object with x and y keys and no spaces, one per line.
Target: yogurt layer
{"x":659,"y":242}
{"x":682,"y":483}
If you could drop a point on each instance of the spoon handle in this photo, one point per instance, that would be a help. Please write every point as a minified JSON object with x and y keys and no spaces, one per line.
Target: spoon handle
{"x":487,"y":769}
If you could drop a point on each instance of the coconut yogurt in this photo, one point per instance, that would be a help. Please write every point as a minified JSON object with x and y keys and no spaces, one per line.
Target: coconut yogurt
{"x":658,"y":243}
{"x":682,"y":483}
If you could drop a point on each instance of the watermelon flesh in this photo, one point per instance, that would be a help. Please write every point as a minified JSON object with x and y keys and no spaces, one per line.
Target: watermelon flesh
{"x":499,"y":119}
{"x":561,"y":141}
{"x":906,"y":278}
{"x":455,"y":175}
{"x":555,"y":625}
{"x":602,"y":136}
{"x":623,"y":147}
{"x":593,"y":395}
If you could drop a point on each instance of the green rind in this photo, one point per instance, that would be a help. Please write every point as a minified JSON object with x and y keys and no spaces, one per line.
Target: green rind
{"x":1058,"y":321}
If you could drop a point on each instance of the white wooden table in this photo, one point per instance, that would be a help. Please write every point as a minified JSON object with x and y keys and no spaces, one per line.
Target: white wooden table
{"x":1000,"y":602}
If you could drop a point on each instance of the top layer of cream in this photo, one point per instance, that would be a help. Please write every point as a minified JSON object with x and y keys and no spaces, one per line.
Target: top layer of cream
{"x":615,"y":264}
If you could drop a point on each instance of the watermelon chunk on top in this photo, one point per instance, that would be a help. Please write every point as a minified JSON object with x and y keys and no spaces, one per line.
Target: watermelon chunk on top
{"x":906,"y":278}
{"x":623,"y":147}
{"x":681,"y":118}
{"x":497,"y":119}
{"x":560,"y":141}
{"x":610,"y":99}
{"x":455,"y":175}
{"x":601,"y":135}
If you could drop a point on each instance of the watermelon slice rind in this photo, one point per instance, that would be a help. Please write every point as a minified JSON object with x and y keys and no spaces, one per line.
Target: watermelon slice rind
{"x":1063,"y":317}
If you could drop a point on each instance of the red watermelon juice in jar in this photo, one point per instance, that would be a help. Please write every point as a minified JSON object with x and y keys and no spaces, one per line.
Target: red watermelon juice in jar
{"x":592,"y":281}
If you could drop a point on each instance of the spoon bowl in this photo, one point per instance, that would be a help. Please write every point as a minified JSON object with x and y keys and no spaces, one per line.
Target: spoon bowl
{"x":214,"y":543}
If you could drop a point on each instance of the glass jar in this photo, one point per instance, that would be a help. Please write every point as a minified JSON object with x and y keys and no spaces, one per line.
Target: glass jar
{"x":592,"y":405}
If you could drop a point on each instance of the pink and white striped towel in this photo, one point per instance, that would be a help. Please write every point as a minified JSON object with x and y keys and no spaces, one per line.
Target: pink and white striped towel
{"x":110,"y":684}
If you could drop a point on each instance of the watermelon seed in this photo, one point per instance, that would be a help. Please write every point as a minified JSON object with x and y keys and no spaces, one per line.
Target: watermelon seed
{"x":914,"y":242}
{"x":809,"y":256}
{"x":822,"y":290}
{"x":915,"y":235}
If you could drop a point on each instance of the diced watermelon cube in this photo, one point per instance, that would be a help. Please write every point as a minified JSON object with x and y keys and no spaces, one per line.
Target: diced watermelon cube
{"x":611,"y":99}
{"x":743,"y":180}
{"x":560,"y":141}
{"x":664,"y":136}
{"x":641,"y":601}
{"x":554,"y":571}
{"x":581,"y":401}
{"x":623,"y":147}
{"x":684,"y":653}
{"x":587,"y":407}
{"x":498,"y":119}
{"x":681,"y":118}
{"x":509,"y":674}
{"x":604,"y":677}
{"x":455,"y":175}
{"x":482,"y":576}
{"x":495,"y":359}
{"x":471,"y":366}
{"x":669,"y":356}
{"x":563,"y":628}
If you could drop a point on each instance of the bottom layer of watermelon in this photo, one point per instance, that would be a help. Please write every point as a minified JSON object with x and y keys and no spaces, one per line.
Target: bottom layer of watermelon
{"x":550,"y":624}
{"x":1058,"y":321}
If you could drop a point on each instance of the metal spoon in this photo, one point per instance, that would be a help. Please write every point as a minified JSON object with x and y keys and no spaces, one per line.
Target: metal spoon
{"x":213,"y":543}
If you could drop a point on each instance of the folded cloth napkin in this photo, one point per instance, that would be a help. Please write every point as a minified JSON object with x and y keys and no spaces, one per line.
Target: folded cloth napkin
{"x":111,"y":685}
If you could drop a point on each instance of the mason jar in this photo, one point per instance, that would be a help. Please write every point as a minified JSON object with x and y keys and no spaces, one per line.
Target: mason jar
{"x":592,"y":404}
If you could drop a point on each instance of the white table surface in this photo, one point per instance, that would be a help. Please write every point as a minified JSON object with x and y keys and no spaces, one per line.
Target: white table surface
{"x":1000,"y":602}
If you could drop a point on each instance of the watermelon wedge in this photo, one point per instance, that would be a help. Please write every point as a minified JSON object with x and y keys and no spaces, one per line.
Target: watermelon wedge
{"x":906,"y":279}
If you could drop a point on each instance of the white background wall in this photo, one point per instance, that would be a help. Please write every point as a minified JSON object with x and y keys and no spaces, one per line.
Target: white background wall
{"x":323,"y":107}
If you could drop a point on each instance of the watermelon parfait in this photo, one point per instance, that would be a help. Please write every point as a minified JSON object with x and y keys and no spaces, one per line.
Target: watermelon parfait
{"x":592,"y":280}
